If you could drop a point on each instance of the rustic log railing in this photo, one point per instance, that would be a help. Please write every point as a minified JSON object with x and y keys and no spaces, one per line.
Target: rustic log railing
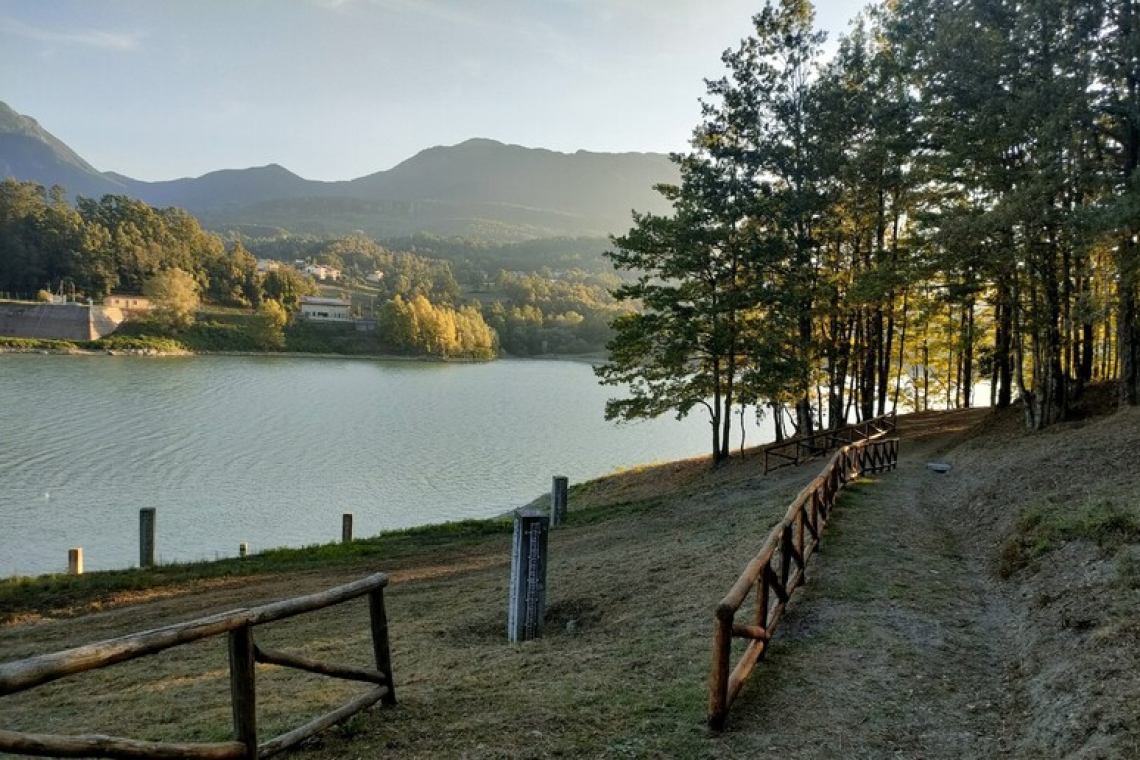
{"x":797,"y":450}
{"x":779,"y":569}
{"x":244,"y":654}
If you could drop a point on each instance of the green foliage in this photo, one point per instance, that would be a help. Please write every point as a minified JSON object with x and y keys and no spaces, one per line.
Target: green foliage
{"x":541,"y":314}
{"x":286,"y":285}
{"x":476,"y":261}
{"x":419,"y":327}
{"x":308,"y":337}
{"x":1045,"y":527}
{"x":173,"y":295}
{"x":37,"y":344}
{"x":726,"y":280}
{"x":268,"y":328}
{"x":113,"y":244}
{"x":133,"y":341}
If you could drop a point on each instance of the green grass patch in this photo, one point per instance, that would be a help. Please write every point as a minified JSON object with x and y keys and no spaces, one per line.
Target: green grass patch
{"x":606,"y":512}
{"x":38,"y":344}
{"x":139,"y":341}
{"x":22,"y":594}
{"x":1045,"y":527}
{"x":59,"y":592}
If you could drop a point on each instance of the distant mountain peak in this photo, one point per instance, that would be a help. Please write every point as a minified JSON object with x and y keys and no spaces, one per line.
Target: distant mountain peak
{"x":13,"y":123}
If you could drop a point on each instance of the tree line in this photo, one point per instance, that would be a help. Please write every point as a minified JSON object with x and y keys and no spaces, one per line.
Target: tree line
{"x":117,"y":244}
{"x":951,"y":197}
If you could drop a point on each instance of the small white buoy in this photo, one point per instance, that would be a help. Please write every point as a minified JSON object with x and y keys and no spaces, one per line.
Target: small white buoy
{"x":47,"y":495}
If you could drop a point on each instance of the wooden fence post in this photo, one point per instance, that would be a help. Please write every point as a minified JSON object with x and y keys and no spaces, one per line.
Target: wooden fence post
{"x":146,"y":536}
{"x":763,"y":596}
{"x":721,"y":656}
{"x":243,"y":689}
{"x":379,"y":620}
{"x":75,"y":561}
{"x":786,"y":556}
{"x":346,"y":528}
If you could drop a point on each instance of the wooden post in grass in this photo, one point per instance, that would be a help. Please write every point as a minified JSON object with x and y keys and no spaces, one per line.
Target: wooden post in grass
{"x":379,"y":620}
{"x":75,"y":561}
{"x":346,"y":528}
{"x":146,"y":536}
{"x":243,"y":688}
{"x":527,"y":604}
{"x":558,"y":502}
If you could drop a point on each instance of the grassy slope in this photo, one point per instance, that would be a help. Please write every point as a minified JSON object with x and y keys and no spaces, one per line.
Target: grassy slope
{"x":905,"y":639}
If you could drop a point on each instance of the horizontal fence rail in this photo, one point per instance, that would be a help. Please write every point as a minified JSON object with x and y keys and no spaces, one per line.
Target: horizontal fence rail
{"x":779,"y":569}
{"x":797,"y":450}
{"x":244,"y":654}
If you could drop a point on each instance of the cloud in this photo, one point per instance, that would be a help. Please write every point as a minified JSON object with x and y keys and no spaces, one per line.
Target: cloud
{"x":96,"y":38}
{"x":332,"y":5}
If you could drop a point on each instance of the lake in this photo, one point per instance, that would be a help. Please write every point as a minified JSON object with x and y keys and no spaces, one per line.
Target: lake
{"x":271,"y":451}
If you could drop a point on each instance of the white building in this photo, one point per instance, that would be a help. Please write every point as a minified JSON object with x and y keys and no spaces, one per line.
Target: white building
{"x":321,"y":272}
{"x":325,"y":309}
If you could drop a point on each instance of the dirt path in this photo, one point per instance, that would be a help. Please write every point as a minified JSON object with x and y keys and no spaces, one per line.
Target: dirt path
{"x":898,"y":645}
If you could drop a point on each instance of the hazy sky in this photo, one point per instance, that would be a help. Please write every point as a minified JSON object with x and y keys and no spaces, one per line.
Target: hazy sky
{"x":336,"y":89}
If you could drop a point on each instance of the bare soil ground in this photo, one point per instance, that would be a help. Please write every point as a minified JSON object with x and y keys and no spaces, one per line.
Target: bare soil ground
{"x":928,"y":627}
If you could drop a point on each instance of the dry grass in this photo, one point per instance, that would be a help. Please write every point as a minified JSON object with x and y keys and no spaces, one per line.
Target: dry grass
{"x":902,"y":644}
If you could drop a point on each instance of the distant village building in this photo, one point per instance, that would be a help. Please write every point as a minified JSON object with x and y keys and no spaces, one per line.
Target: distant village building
{"x":325,"y":309}
{"x":321,"y":272}
{"x":374,"y":277}
{"x":128,"y":303}
{"x":267,"y":265}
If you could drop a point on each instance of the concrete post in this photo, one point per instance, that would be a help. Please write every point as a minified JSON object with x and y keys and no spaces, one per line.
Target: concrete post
{"x":558,"y":501}
{"x":527,"y":604}
{"x":243,"y":549}
{"x":75,"y":561}
{"x":146,"y":536}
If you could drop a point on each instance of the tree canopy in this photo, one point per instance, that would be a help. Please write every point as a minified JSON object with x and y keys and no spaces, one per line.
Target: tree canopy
{"x":947,"y":201}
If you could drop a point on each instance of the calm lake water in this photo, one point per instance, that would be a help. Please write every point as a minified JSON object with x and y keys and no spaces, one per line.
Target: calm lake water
{"x":271,"y":451}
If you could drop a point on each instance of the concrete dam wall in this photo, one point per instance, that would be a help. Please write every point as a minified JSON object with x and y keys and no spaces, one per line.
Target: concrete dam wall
{"x":66,"y":321}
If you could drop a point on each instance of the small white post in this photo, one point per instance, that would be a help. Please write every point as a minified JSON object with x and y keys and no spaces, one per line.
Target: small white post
{"x":75,"y":561}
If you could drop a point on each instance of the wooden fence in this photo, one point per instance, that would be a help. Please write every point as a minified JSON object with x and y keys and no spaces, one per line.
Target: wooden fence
{"x":797,"y":450}
{"x":244,"y":654}
{"x":779,"y":569}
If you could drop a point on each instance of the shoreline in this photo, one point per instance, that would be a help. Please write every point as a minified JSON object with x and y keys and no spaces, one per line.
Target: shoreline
{"x":594,"y":359}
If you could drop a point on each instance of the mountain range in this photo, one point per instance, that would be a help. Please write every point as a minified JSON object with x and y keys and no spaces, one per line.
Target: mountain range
{"x":479,"y":188}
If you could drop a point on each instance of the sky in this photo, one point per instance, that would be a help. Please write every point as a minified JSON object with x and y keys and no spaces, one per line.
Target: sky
{"x":337,"y":89}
